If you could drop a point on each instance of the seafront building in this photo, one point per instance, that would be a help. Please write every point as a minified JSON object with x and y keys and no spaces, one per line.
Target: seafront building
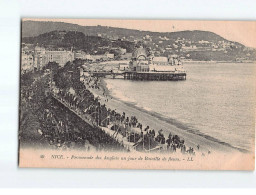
{"x":85,"y":56}
{"x":43,"y":57}
{"x":37,"y":57}
{"x":27,"y":61}
{"x":60,"y":57}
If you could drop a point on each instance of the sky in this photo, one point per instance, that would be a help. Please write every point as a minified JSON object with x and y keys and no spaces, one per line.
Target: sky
{"x":240,"y":31}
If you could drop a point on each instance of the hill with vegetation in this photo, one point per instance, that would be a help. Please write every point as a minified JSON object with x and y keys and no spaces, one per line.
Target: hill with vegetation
{"x":35,"y":28}
{"x":77,"y":41}
{"x":191,"y":45}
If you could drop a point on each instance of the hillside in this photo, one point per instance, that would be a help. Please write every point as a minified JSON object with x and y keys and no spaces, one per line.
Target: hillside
{"x":35,"y":28}
{"x":193,"y":45}
{"x":77,"y":41}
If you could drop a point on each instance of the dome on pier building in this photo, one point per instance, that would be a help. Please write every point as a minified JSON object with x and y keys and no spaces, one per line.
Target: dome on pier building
{"x":139,"y":54}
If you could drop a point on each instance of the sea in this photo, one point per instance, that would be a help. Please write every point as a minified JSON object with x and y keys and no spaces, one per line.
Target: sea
{"x":216,"y":99}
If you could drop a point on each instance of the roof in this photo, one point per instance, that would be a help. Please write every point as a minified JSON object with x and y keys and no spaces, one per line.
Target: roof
{"x":139,"y":52}
{"x":160,"y":59}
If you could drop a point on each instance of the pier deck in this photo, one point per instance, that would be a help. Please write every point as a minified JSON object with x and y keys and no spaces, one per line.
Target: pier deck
{"x":152,"y":76}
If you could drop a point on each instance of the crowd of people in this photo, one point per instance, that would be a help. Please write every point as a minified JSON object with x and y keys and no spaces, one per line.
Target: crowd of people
{"x":89,"y":107}
{"x":57,"y":127}
{"x":65,"y":129}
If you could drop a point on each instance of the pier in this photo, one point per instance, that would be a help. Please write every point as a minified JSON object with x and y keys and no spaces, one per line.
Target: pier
{"x":104,"y":74}
{"x":147,"y":76}
{"x":154,"y":76}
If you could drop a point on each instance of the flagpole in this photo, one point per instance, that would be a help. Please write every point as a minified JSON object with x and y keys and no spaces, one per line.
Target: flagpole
{"x":149,"y":143}
{"x":143,"y":140}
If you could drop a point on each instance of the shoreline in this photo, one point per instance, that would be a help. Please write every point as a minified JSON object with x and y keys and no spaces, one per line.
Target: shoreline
{"x":217,"y":62}
{"x":192,"y":137}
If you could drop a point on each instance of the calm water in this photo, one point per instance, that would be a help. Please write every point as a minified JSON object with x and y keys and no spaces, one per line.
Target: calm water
{"x":216,"y":99}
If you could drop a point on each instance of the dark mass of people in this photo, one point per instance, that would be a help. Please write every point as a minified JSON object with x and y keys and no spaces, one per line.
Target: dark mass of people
{"x":56,"y":125}
{"x":63,"y":128}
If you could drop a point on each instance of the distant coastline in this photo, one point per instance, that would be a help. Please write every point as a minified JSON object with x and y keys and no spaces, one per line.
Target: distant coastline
{"x":215,"y":62}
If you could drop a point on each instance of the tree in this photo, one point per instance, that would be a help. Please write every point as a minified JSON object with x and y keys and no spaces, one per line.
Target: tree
{"x":26,"y":79}
{"x":53,"y":66}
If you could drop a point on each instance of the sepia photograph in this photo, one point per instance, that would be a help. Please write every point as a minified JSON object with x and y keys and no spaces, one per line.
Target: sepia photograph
{"x":137,"y":94}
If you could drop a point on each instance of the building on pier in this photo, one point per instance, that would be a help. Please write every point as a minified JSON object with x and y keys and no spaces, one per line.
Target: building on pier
{"x":145,"y":66}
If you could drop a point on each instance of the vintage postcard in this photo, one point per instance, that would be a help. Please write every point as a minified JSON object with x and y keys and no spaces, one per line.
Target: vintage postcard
{"x":137,"y":94}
